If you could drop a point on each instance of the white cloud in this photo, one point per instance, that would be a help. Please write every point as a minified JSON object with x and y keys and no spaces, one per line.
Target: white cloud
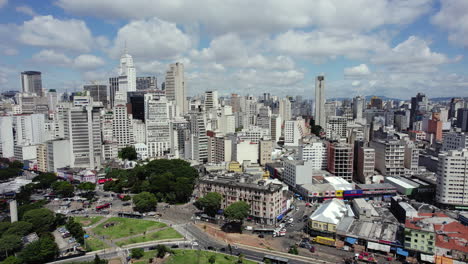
{"x":151,"y":39}
{"x":25,"y":9}
{"x":10,"y":51}
{"x":252,"y":77}
{"x":47,"y":31}
{"x":3,"y":3}
{"x":412,"y":55}
{"x":453,"y":16}
{"x":247,"y":16}
{"x":360,"y":70}
{"x":320,"y":45}
{"x":88,"y":61}
{"x":52,"y":57}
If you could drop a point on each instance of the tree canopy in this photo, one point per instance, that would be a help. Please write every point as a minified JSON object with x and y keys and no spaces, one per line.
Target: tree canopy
{"x":210,"y":203}
{"x":41,"y":219}
{"x":137,"y":253}
{"x":145,"y":202}
{"x":20,"y":228}
{"x":10,"y":243}
{"x":237,"y":211}
{"x":45,"y":180}
{"x":86,"y":186}
{"x":41,"y":251}
{"x":63,"y":188}
{"x":170,"y":180}
{"x":128,"y":153}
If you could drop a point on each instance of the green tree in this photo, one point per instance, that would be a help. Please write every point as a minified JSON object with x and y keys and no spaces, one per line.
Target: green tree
{"x":19,"y":228}
{"x":212,"y":259}
{"x":11,"y":260}
{"x":237,"y":211}
{"x":128,"y":153}
{"x":137,"y":253}
{"x":4,"y":226}
{"x":267,"y":261}
{"x":45,"y":180}
{"x":210,"y":203}
{"x":161,"y":251}
{"x":86,"y":186}
{"x":42,"y":219}
{"x":41,"y":251}
{"x":9,"y":243}
{"x":63,"y":188}
{"x":75,"y":229}
{"x":60,"y":219}
{"x":293,"y":250}
{"x":98,"y":260}
{"x":145,"y":202}
{"x":240,"y":258}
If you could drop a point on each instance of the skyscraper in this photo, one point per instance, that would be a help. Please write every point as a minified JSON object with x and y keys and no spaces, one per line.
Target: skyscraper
{"x":127,"y":69}
{"x":97,"y":92}
{"x":31,"y":82}
{"x":175,"y":87}
{"x":146,"y":83}
{"x":320,"y":118}
{"x":211,"y":100}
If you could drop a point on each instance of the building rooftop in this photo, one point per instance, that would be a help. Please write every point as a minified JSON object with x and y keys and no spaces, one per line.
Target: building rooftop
{"x":331,"y":211}
{"x":400,"y":182}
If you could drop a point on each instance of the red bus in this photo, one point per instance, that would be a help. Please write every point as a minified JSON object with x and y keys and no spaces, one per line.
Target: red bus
{"x":106,"y":205}
{"x":101,"y":181}
{"x":121,"y":196}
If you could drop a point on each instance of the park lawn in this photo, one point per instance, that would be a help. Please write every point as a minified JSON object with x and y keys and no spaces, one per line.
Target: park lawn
{"x":191,"y":257}
{"x":167,"y":233}
{"x":93,"y":244}
{"x":87,"y":221}
{"x":125,"y":227}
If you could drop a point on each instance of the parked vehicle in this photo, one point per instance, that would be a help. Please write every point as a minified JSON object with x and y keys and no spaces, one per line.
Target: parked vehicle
{"x":324,"y":241}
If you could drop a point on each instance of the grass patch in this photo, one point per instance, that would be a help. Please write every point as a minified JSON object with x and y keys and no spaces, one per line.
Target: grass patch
{"x":93,"y":244}
{"x":192,"y":256}
{"x":167,"y":233}
{"x":125,"y":227}
{"x":87,"y":221}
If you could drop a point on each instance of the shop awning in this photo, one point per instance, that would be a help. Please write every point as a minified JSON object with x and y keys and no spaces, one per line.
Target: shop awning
{"x":377,"y":246}
{"x":402,"y":252}
{"x":351,"y":240}
{"x":428,"y":258}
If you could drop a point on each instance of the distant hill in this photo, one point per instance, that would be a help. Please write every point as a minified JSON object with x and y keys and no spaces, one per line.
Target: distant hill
{"x":385,"y":98}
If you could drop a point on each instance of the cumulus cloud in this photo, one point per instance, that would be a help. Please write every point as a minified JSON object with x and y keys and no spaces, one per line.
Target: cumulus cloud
{"x":252,"y":77}
{"x":246,"y":16}
{"x":151,"y":39}
{"x":321,"y":45}
{"x":47,"y":31}
{"x":360,"y":70}
{"x":52,"y":57}
{"x":25,"y":9}
{"x":82,"y":62}
{"x":88,"y":61}
{"x":453,"y":17}
{"x":3,"y":3}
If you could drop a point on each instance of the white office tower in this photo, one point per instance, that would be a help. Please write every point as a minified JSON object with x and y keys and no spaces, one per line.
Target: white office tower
{"x":294,"y":131}
{"x":452,"y":181}
{"x":196,"y":147}
{"x":389,"y":156}
{"x":175,"y":86}
{"x":158,"y":114}
{"x":57,"y":154}
{"x":227,"y":121}
{"x":455,"y":140}
{"x":316,"y":153}
{"x":222,"y":149}
{"x":275,"y":127}
{"x":358,"y":108}
{"x":6,"y":137}
{"x":336,"y":127}
{"x":127,"y":70}
{"x":122,"y":126}
{"x":52,"y":100}
{"x":243,"y":150}
{"x":31,"y":82}
{"x":139,"y":131}
{"x":82,"y":125}
{"x":211,"y":100}
{"x":253,"y":133}
{"x":264,"y":117}
{"x":365,"y":164}
{"x":29,"y":129}
{"x":411,"y":155}
{"x":320,"y":118}
{"x":285,"y":109}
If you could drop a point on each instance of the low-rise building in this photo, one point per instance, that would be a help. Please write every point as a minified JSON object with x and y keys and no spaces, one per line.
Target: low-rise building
{"x":326,"y":218}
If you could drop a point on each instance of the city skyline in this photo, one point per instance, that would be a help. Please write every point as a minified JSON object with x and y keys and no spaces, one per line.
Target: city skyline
{"x":392,"y":50}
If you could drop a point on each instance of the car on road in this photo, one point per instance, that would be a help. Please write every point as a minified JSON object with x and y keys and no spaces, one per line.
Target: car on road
{"x":261,"y":236}
{"x":210,"y":248}
{"x":126,"y":204}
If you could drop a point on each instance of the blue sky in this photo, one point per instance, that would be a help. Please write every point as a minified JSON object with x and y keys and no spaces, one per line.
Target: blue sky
{"x":364,"y":47}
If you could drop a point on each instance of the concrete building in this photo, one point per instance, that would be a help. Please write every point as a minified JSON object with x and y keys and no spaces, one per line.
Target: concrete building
{"x":454,"y":141}
{"x":253,"y":133}
{"x":297,"y":172}
{"x":113,"y":89}
{"x":340,"y":160}
{"x":275,"y":127}
{"x":141,"y":150}
{"x":365,"y":164}
{"x":285,"y":109}
{"x":41,"y":157}
{"x":320,"y":117}
{"x":7,"y":139}
{"x":122,"y":129}
{"x":197,"y":148}
{"x":31,"y":82}
{"x":58,"y":154}
{"x":236,"y":187}
{"x":25,"y":152}
{"x":211,"y":100}
{"x":316,"y":153}
{"x":175,"y":86}
{"x":411,"y":156}
{"x":358,"y":108}
{"x":452,"y":178}
{"x":222,"y":149}
{"x":294,"y":131}
{"x":97,"y":92}
{"x":326,"y":218}
{"x":29,"y":129}
{"x":389,"y":156}
{"x":158,"y":113}
{"x":146,"y":83}
{"x":245,"y":151}
{"x":263,"y":119}
{"x":336,"y":127}
{"x":127,"y":74}
{"x":266,"y":148}
{"x":462,"y":119}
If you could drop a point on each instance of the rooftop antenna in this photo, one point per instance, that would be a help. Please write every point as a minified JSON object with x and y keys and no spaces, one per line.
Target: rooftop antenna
{"x":125,"y":47}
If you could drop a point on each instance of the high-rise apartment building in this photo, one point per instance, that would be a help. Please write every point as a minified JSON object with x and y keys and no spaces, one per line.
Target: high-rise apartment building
{"x":146,"y":83}
{"x":176,"y":89}
{"x":122,"y":129}
{"x":158,"y":113}
{"x":211,"y":100}
{"x":266,"y":148}
{"x":365,"y":164}
{"x":31,"y":82}
{"x":340,"y":160}
{"x":320,"y":118}
{"x":285,"y":109}
{"x":294,"y":131}
{"x":316,"y":153}
{"x":454,"y":141}
{"x":358,"y":108}
{"x":389,"y":156}
{"x":462,"y":119}
{"x":336,"y":127}
{"x":452,"y":181}
{"x":97,"y":92}
{"x":275,"y":127}
{"x":6,"y":137}
{"x":113,"y":89}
